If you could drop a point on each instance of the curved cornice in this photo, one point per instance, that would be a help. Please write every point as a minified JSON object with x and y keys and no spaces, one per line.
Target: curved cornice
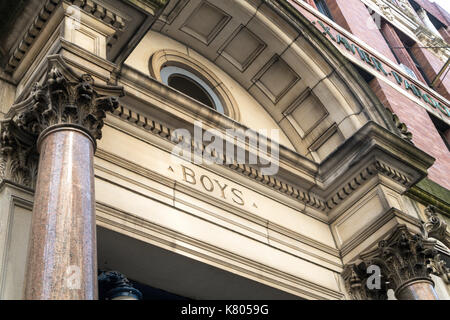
{"x":349,"y":74}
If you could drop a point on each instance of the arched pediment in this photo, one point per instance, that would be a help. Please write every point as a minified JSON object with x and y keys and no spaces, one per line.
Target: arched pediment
{"x":286,"y":66}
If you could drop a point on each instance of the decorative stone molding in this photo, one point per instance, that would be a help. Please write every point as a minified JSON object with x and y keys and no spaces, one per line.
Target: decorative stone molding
{"x":44,"y":15}
{"x":165,"y":58}
{"x":65,"y":98}
{"x":439,"y":268}
{"x":385,"y":9}
{"x":100,"y":12}
{"x":18,"y":157}
{"x":403,"y":259}
{"x":377,"y":167}
{"x":401,"y":126}
{"x":408,"y":9}
{"x":167,"y":133}
{"x":435,"y":226}
{"x":309,"y":198}
{"x":432,"y":41}
{"x":355,"y":279}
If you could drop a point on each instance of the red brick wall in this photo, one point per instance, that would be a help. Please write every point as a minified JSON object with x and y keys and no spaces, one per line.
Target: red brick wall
{"x":355,"y":18}
{"x":425,"y":135}
{"x":432,"y":65}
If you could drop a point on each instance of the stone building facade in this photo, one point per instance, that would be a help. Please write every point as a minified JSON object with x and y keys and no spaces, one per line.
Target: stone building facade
{"x":122,"y":123}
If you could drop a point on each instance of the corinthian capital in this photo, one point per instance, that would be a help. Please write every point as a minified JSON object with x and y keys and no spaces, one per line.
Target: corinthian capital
{"x":403,"y":258}
{"x":18,"y":156}
{"x":356,"y":278}
{"x":65,"y":98}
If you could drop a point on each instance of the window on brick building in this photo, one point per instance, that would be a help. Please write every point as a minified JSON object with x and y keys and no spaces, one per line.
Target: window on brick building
{"x":408,"y":45}
{"x":443,"y":129}
{"x":418,"y":65}
{"x":401,"y":48}
{"x":323,"y":8}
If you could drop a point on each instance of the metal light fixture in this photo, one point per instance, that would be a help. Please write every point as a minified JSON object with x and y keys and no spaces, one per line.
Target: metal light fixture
{"x":113,"y":285}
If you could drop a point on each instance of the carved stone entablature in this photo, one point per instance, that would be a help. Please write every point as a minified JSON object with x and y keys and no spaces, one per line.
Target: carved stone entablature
{"x":432,"y":41}
{"x":435,"y":226}
{"x":402,"y":258}
{"x":373,"y":169}
{"x":408,"y":9}
{"x":65,"y":98}
{"x":387,"y":11}
{"x":401,"y":126}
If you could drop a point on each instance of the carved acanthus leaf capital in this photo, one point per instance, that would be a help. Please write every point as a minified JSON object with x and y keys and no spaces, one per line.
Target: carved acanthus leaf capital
{"x":356,"y":278}
{"x":402,"y":257}
{"x":62,"y":98}
{"x":18,"y":156}
{"x":65,"y":97}
{"x":439,"y":268}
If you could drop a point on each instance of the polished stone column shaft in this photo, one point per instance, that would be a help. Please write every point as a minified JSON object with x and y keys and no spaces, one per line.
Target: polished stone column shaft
{"x":417,"y":290}
{"x":62,"y":258}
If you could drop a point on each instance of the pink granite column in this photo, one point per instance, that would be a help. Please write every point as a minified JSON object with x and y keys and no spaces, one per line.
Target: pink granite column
{"x":421,"y":289}
{"x":64,"y":115}
{"x":62,"y":257}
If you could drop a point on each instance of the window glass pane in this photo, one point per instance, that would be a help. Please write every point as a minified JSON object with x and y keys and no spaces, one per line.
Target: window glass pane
{"x":323,"y":8}
{"x":191,"y":85}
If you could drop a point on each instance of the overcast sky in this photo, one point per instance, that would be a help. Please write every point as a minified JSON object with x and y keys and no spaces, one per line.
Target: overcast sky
{"x":443,"y":3}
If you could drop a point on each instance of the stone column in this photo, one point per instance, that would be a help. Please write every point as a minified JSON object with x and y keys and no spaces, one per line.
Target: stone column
{"x":62,"y":261}
{"x":404,"y":262}
{"x":65,"y":114}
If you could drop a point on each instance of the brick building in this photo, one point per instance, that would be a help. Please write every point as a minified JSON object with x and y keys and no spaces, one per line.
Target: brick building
{"x":239,"y":149}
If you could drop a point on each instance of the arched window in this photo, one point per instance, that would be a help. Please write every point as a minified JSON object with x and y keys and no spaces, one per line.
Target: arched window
{"x":191,"y":85}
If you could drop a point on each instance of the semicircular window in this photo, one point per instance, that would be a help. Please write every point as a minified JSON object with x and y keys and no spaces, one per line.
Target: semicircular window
{"x":191,"y":85}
